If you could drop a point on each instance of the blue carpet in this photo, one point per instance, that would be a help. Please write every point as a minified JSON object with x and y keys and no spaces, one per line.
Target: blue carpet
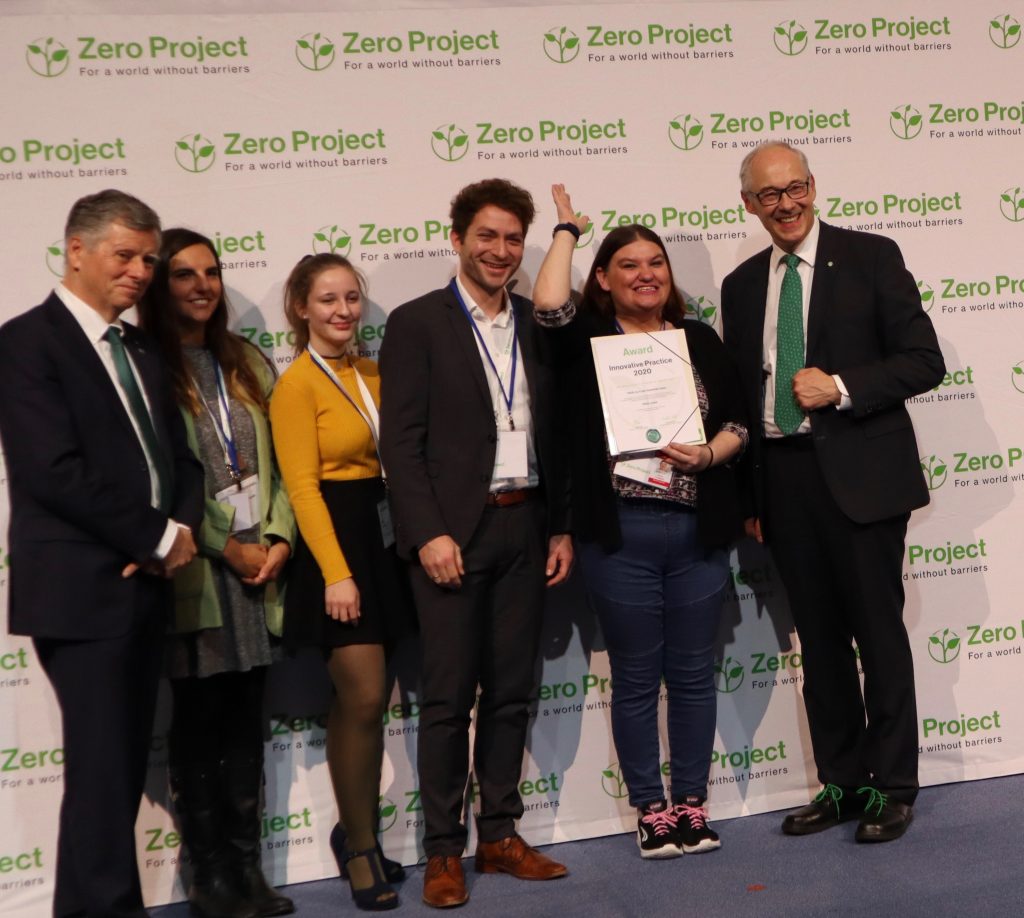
{"x":962,"y":856}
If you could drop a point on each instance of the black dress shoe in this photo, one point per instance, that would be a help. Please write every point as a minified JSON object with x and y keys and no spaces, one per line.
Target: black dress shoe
{"x":884,"y":819}
{"x":831,"y":807}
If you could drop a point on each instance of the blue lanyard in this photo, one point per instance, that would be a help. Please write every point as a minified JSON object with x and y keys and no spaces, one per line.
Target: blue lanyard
{"x":223,"y":424}
{"x":506,"y":395}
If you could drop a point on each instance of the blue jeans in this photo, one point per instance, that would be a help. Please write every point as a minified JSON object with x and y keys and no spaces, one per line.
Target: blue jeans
{"x":658,"y":600}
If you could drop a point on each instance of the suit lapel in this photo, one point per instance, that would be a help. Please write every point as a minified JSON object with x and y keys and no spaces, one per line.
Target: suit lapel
{"x":465,"y":339}
{"x":825,"y":261}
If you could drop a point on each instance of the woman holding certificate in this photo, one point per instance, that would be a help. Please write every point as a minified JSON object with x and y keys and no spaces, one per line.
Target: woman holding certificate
{"x":228,"y":601}
{"x":347,"y":593}
{"x":653,"y":528}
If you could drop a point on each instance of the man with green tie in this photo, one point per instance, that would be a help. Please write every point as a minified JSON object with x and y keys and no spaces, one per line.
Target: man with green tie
{"x":828,"y":333}
{"x":105,"y":496}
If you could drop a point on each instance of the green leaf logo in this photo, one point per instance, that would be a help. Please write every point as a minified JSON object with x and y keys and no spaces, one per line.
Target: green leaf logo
{"x":314,"y":51}
{"x":1017,"y":377}
{"x":729,"y":675}
{"x":944,"y":646}
{"x":905,"y":122}
{"x":55,"y":257}
{"x":1011,"y":204}
{"x":47,"y":57}
{"x":195,"y":153}
{"x":449,"y":142}
{"x":1004,"y":31}
{"x":330,"y":239}
{"x":387,"y":813}
{"x":935,"y":471}
{"x":587,"y":237}
{"x":790,"y":37}
{"x":927,"y":295}
{"x":701,"y":309}
{"x":685,"y":132}
{"x":561,"y":45}
{"x":612,"y":782}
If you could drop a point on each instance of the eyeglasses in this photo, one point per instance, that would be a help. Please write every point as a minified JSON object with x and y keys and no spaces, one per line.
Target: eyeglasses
{"x":795,"y":191}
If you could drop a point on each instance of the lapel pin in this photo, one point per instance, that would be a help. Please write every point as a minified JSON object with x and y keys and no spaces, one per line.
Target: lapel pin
{"x":830,"y":264}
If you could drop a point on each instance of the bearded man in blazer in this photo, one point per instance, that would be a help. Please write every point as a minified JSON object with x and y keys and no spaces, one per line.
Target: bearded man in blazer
{"x":104,"y":497}
{"x":827,"y":330}
{"x":477,"y":478}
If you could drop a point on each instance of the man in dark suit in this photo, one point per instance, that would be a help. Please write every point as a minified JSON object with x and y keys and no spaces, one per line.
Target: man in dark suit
{"x":828,"y":332}
{"x":104,"y":495}
{"x":476,"y":475}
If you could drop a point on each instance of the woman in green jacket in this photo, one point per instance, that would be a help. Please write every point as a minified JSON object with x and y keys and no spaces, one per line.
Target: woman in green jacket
{"x":228,"y":601}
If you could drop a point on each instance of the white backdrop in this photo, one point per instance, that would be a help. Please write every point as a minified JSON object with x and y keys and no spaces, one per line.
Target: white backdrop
{"x":278,"y":134}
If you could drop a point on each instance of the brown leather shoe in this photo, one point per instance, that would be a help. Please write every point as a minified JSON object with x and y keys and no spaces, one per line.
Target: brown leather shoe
{"x":512,"y":855}
{"x":444,"y":884}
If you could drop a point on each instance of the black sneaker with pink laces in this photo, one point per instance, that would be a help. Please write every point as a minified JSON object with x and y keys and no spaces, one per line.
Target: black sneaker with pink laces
{"x":692,"y":829}
{"x":656,"y":831}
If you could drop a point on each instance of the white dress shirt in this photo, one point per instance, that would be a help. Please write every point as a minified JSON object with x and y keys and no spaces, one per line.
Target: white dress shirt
{"x":497,"y":335}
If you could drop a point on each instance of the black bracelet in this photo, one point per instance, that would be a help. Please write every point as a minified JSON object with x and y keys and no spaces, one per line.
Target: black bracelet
{"x":569,"y":227}
{"x":711,"y":461}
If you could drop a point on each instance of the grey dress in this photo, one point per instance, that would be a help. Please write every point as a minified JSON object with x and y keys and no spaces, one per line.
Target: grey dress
{"x":242,"y":642}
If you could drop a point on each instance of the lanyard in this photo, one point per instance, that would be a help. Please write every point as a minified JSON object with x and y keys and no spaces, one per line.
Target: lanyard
{"x":619,"y":330}
{"x":222,"y":426}
{"x":370,"y":415}
{"x":505,"y":395}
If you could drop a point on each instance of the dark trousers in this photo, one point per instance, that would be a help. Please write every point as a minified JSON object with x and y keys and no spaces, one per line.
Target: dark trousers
{"x":107,"y":692}
{"x":486,"y":633}
{"x":845,"y":586}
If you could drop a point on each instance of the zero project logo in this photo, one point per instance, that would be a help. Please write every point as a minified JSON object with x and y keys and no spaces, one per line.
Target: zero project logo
{"x":906,"y":122}
{"x":685,"y":132}
{"x":1004,"y":31}
{"x":449,"y":142}
{"x":1017,"y":377}
{"x":701,"y":309}
{"x":314,"y":51}
{"x":55,"y":257}
{"x":790,"y":37}
{"x":944,"y":646}
{"x":195,"y":153}
{"x":330,"y":239}
{"x":935,"y":471}
{"x":561,"y":45}
{"x":927,"y":295}
{"x":1011,"y":204}
{"x":387,"y":813}
{"x":729,"y":674}
{"x":47,"y":57}
{"x":612,"y":782}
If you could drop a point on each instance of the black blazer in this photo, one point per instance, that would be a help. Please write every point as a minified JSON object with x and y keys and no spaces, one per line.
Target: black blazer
{"x":594,"y":506}
{"x":438,"y":433}
{"x":866,"y":324}
{"x":79,"y":482}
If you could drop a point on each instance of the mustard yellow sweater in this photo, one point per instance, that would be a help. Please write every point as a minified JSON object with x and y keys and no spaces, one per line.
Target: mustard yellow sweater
{"x":319,"y":436}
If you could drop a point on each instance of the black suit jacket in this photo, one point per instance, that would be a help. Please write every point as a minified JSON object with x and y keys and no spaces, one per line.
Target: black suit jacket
{"x":866,"y":324}
{"x":438,"y":433}
{"x":79,"y":482}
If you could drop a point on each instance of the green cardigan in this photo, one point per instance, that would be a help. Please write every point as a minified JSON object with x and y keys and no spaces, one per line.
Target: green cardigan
{"x":197,"y":603}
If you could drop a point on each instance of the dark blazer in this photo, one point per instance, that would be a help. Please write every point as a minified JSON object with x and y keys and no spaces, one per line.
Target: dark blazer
{"x":594,"y":507}
{"x":438,"y":433}
{"x":79,"y":483}
{"x":866,"y":324}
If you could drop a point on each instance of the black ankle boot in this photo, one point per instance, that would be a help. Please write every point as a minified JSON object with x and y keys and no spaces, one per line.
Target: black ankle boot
{"x":213,"y":892}
{"x":243,"y":806}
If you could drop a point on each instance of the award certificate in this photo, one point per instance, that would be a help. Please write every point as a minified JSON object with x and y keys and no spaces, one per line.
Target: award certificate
{"x":648,"y":395}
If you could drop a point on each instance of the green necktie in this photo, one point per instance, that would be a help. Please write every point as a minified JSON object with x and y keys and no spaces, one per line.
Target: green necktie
{"x":789,"y":349}
{"x":137,"y":403}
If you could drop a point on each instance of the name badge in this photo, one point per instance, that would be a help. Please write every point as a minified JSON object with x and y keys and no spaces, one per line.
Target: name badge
{"x":387,"y":529}
{"x":510,"y":456}
{"x":650,"y":470}
{"x":245,"y":498}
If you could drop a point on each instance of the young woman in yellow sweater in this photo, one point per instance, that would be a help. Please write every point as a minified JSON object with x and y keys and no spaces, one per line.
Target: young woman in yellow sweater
{"x":347,"y":591}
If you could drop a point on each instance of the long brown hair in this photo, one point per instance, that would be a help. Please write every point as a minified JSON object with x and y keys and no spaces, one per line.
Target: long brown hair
{"x":158,"y":315}
{"x":600,"y":300}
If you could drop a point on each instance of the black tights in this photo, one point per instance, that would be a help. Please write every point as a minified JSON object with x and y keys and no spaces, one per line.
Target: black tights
{"x":355,"y":740}
{"x":216,"y":718}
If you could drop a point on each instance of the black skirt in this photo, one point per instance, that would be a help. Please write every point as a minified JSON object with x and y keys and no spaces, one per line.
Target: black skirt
{"x":385,"y":600}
